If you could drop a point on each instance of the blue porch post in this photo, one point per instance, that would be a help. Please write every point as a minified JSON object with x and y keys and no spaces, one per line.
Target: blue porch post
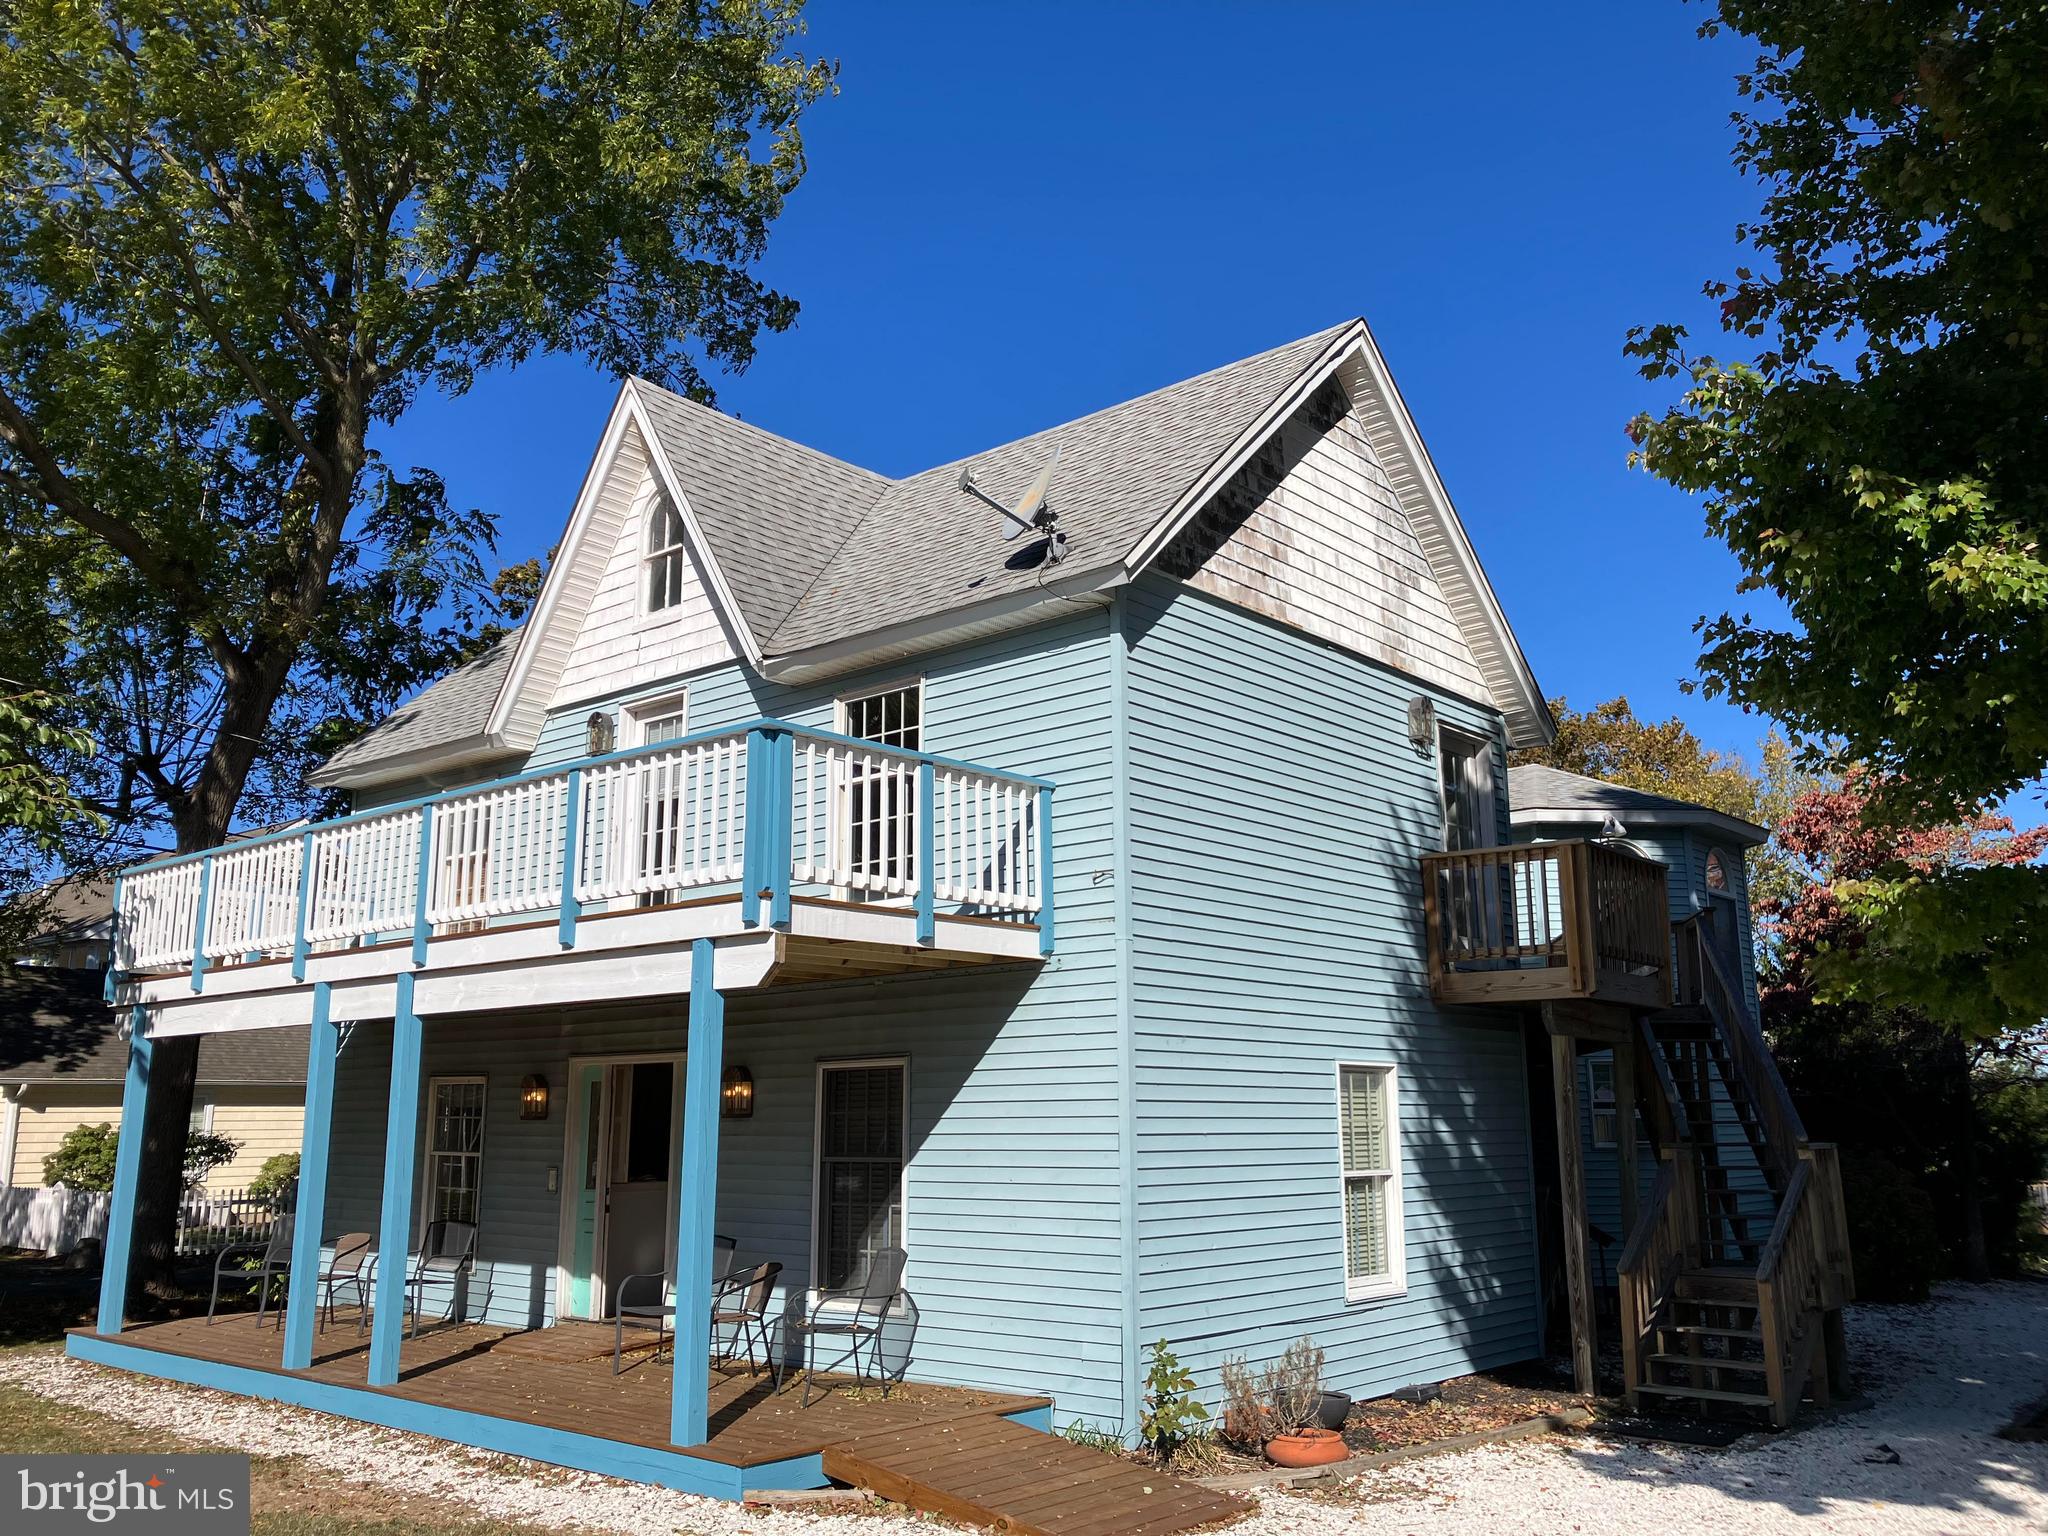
{"x":927,"y":807}
{"x":302,"y":1309}
{"x":127,"y":1169}
{"x":689,"y":1410}
{"x":394,"y":1223}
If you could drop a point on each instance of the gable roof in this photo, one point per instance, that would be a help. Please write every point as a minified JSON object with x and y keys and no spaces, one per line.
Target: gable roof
{"x":818,"y":566}
{"x":1539,"y":795}
{"x":56,"y":1026}
{"x":443,"y":724}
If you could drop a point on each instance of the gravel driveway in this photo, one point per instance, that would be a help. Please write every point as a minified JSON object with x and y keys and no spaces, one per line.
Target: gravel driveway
{"x":1945,"y":1376}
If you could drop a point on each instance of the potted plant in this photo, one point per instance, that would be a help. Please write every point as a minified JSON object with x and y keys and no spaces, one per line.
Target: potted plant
{"x":1276,"y":1409}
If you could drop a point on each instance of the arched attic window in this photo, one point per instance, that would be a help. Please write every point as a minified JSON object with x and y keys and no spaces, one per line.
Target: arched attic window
{"x":668,"y":563}
{"x":1718,"y":883}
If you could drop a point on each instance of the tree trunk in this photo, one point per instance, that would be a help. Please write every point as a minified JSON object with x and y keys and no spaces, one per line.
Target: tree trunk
{"x":1976,"y":1252}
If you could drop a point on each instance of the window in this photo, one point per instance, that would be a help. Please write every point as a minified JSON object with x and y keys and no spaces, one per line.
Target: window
{"x":668,"y":562}
{"x":879,"y":823}
{"x":455,"y":1147}
{"x":1600,"y":1095}
{"x":1369,"y":1143}
{"x":1717,"y":874}
{"x":659,"y":720}
{"x":861,"y":1114}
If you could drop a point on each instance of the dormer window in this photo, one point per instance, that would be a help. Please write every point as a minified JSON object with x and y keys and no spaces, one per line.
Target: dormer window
{"x":668,"y":563}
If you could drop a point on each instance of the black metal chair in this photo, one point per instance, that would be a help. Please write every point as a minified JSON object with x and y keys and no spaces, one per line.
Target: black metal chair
{"x":276,"y":1264}
{"x":656,"y":1313}
{"x":742,"y":1305}
{"x":856,"y":1313}
{"x":447,"y":1255}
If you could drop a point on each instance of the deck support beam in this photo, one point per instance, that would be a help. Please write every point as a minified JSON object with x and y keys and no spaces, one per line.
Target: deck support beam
{"x":1571,"y":1182}
{"x":1625,"y":1144}
{"x":394,"y":1221}
{"x":127,"y":1172}
{"x":302,"y":1307}
{"x":689,"y":1409}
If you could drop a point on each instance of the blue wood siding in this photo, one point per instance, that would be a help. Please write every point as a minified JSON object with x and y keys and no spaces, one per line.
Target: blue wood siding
{"x":1013,"y":1196}
{"x":1277,"y":816}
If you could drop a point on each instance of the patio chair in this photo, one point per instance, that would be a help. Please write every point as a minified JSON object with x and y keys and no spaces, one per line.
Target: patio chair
{"x":276,"y":1263}
{"x":349,"y":1266}
{"x":742,"y":1305}
{"x":656,"y":1313}
{"x":447,"y":1255}
{"x":855,"y":1313}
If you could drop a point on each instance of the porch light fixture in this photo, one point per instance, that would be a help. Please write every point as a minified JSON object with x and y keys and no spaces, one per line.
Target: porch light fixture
{"x":533,"y":1098}
{"x":736,"y":1094}
{"x":1422,"y":724}
{"x":600,"y":734}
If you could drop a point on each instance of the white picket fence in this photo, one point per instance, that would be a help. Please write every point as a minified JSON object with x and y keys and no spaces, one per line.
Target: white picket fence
{"x":56,"y":1220}
{"x":654,"y":823}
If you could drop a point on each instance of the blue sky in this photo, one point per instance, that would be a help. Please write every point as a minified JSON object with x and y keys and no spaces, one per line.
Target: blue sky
{"x":1016,"y":214}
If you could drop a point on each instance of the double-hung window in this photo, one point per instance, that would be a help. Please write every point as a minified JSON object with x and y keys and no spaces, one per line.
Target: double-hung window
{"x":1369,"y":1148}
{"x":878,"y":825}
{"x":667,"y":561}
{"x":455,"y":1147}
{"x":861,"y":1114}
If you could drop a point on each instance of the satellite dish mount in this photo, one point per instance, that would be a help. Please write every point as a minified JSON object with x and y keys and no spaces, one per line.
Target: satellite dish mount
{"x":1034,"y":513}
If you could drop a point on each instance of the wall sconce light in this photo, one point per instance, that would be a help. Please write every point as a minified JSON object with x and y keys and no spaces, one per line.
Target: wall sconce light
{"x":533,"y":1098}
{"x":600,"y":734}
{"x":1422,"y":724}
{"x":736,"y":1094}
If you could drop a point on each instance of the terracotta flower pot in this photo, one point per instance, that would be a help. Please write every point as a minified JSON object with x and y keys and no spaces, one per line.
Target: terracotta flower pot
{"x":1307,"y":1448}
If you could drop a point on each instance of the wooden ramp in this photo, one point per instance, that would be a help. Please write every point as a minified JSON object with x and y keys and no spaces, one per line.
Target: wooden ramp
{"x":997,"y":1473}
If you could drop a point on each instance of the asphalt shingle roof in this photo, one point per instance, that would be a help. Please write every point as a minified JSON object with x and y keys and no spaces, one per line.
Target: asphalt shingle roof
{"x":1535,"y":788}
{"x":56,"y":1026}
{"x":450,"y":709}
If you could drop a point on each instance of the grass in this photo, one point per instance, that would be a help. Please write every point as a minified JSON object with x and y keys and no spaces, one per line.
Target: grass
{"x":289,"y":1497}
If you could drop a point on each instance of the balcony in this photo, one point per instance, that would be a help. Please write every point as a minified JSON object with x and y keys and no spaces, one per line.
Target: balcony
{"x":805,"y":855}
{"x":1547,"y":922}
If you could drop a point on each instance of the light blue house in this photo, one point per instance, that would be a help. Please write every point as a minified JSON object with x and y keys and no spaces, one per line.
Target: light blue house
{"x":1115,"y":917}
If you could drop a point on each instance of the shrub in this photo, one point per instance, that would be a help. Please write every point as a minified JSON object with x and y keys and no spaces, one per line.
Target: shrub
{"x":1893,"y":1236}
{"x":1261,"y":1406}
{"x":84,"y":1159}
{"x":280,"y":1171}
{"x":1172,"y":1413}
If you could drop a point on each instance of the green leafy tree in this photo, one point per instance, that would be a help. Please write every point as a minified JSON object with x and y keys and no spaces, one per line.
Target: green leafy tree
{"x":1875,"y":451}
{"x":280,"y":1171}
{"x":84,"y":1159}
{"x":235,"y":241}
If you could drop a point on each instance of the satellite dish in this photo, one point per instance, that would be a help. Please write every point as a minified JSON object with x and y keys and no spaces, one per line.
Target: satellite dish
{"x":1032,"y":514}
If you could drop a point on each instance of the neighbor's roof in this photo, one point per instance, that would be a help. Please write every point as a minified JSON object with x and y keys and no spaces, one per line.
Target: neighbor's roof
{"x":1544,"y":796}
{"x":57,"y":1027}
{"x":73,"y":907}
{"x":819,"y":564}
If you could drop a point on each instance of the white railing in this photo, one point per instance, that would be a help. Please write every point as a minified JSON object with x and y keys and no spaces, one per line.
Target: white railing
{"x":671,"y":819}
{"x":852,"y":817}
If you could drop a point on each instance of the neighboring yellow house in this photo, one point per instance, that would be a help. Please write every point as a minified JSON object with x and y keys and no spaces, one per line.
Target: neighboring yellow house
{"x":62,"y":1059}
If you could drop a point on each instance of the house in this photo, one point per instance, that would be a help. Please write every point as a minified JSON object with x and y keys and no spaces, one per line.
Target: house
{"x":62,"y":1061}
{"x":72,"y":923}
{"x":1121,"y":918}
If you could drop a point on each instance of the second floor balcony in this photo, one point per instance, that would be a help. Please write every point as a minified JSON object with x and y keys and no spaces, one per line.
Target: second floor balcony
{"x":807,"y":854}
{"x":1547,"y":922}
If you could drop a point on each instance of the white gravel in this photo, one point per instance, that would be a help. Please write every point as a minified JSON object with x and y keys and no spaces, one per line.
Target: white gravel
{"x":1945,"y":1377}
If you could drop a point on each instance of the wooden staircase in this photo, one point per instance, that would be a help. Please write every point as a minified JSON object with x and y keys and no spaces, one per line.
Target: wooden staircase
{"x":1733,"y":1280}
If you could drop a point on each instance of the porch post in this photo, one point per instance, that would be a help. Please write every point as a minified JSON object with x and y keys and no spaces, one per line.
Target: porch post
{"x":1571,"y":1169}
{"x":302,"y":1307}
{"x":394,"y":1225}
{"x":1625,"y":1132}
{"x":127,"y":1168}
{"x":689,"y":1410}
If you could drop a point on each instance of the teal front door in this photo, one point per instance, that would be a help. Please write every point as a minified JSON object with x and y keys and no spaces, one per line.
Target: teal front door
{"x":589,"y":1172}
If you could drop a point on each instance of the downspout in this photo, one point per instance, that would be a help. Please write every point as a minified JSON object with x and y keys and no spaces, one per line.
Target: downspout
{"x":10,"y":1129}
{"x":1126,"y":1044}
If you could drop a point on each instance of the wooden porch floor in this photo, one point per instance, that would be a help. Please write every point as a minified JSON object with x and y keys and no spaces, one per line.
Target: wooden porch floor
{"x":458,"y":1367}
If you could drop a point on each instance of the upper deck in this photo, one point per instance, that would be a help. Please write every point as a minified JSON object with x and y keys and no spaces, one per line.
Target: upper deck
{"x":808,"y":854}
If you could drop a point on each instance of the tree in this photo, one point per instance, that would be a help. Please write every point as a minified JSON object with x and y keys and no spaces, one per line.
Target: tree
{"x":84,"y":1159}
{"x":1877,"y":456}
{"x":1964,"y":1116}
{"x":235,"y":241}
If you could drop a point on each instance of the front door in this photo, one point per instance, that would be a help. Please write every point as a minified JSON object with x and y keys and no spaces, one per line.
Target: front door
{"x":624,"y":1152}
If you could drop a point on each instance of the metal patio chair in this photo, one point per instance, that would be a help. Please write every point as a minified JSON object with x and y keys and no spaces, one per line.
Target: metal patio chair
{"x":276,"y":1263}
{"x":447,"y":1255}
{"x":349,"y":1265}
{"x":857,"y":1314}
{"x":656,"y":1313}
{"x":742,"y":1305}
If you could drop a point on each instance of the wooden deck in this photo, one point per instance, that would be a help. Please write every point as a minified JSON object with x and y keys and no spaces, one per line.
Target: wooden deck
{"x":459,"y":1368}
{"x":994,"y":1472}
